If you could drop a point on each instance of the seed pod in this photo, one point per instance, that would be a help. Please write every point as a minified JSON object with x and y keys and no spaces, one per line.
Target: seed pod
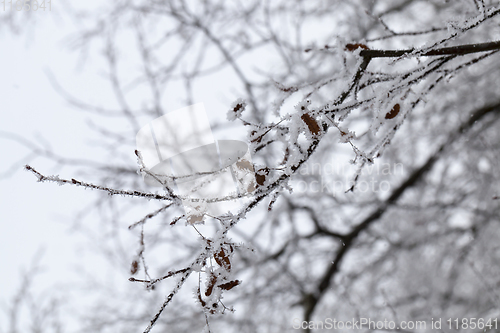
{"x":211,"y":285}
{"x":229,"y":285}
{"x":260,"y":175}
{"x":311,"y":123}
{"x":353,"y":47}
{"x":222,"y":259}
{"x":244,"y":165}
{"x":134,"y":267}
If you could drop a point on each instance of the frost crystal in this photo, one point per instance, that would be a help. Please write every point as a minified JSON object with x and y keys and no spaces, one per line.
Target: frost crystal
{"x":302,"y":105}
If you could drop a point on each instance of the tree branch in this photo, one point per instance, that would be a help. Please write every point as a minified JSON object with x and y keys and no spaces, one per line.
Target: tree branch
{"x":452,"y":50}
{"x":311,"y":300}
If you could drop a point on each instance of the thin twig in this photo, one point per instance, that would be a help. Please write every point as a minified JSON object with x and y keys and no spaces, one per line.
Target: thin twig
{"x":111,"y":191}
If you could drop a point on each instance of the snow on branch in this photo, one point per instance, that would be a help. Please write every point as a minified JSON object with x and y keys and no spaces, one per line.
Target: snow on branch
{"x":111,"y":191}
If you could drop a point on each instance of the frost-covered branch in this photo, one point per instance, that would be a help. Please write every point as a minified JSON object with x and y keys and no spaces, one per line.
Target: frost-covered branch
{"x":111,"y":191}
{"x":452,"y":50}
{"x":416,"y":176}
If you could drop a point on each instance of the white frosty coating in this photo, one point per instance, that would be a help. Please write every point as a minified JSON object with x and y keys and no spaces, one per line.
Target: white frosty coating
{"x":302,"y":106}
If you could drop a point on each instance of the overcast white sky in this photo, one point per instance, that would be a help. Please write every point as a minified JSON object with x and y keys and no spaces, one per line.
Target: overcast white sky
{"x":32,"y":214}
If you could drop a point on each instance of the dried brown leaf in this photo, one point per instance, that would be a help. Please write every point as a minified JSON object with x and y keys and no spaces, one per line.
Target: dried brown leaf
{"x":211,"y":285}
{"x":244,"y":165}
{"x":353,"y":47}
{"x":134,"y":267}
{"x":311,"y":123}
{"x":260,"y":176}
{"x":229,"y":285}
{"x":222,"y":259}
{"x":394,"y":112}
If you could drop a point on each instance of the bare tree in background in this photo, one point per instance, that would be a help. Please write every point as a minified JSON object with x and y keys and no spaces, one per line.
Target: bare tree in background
{"x":373,"y":136}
